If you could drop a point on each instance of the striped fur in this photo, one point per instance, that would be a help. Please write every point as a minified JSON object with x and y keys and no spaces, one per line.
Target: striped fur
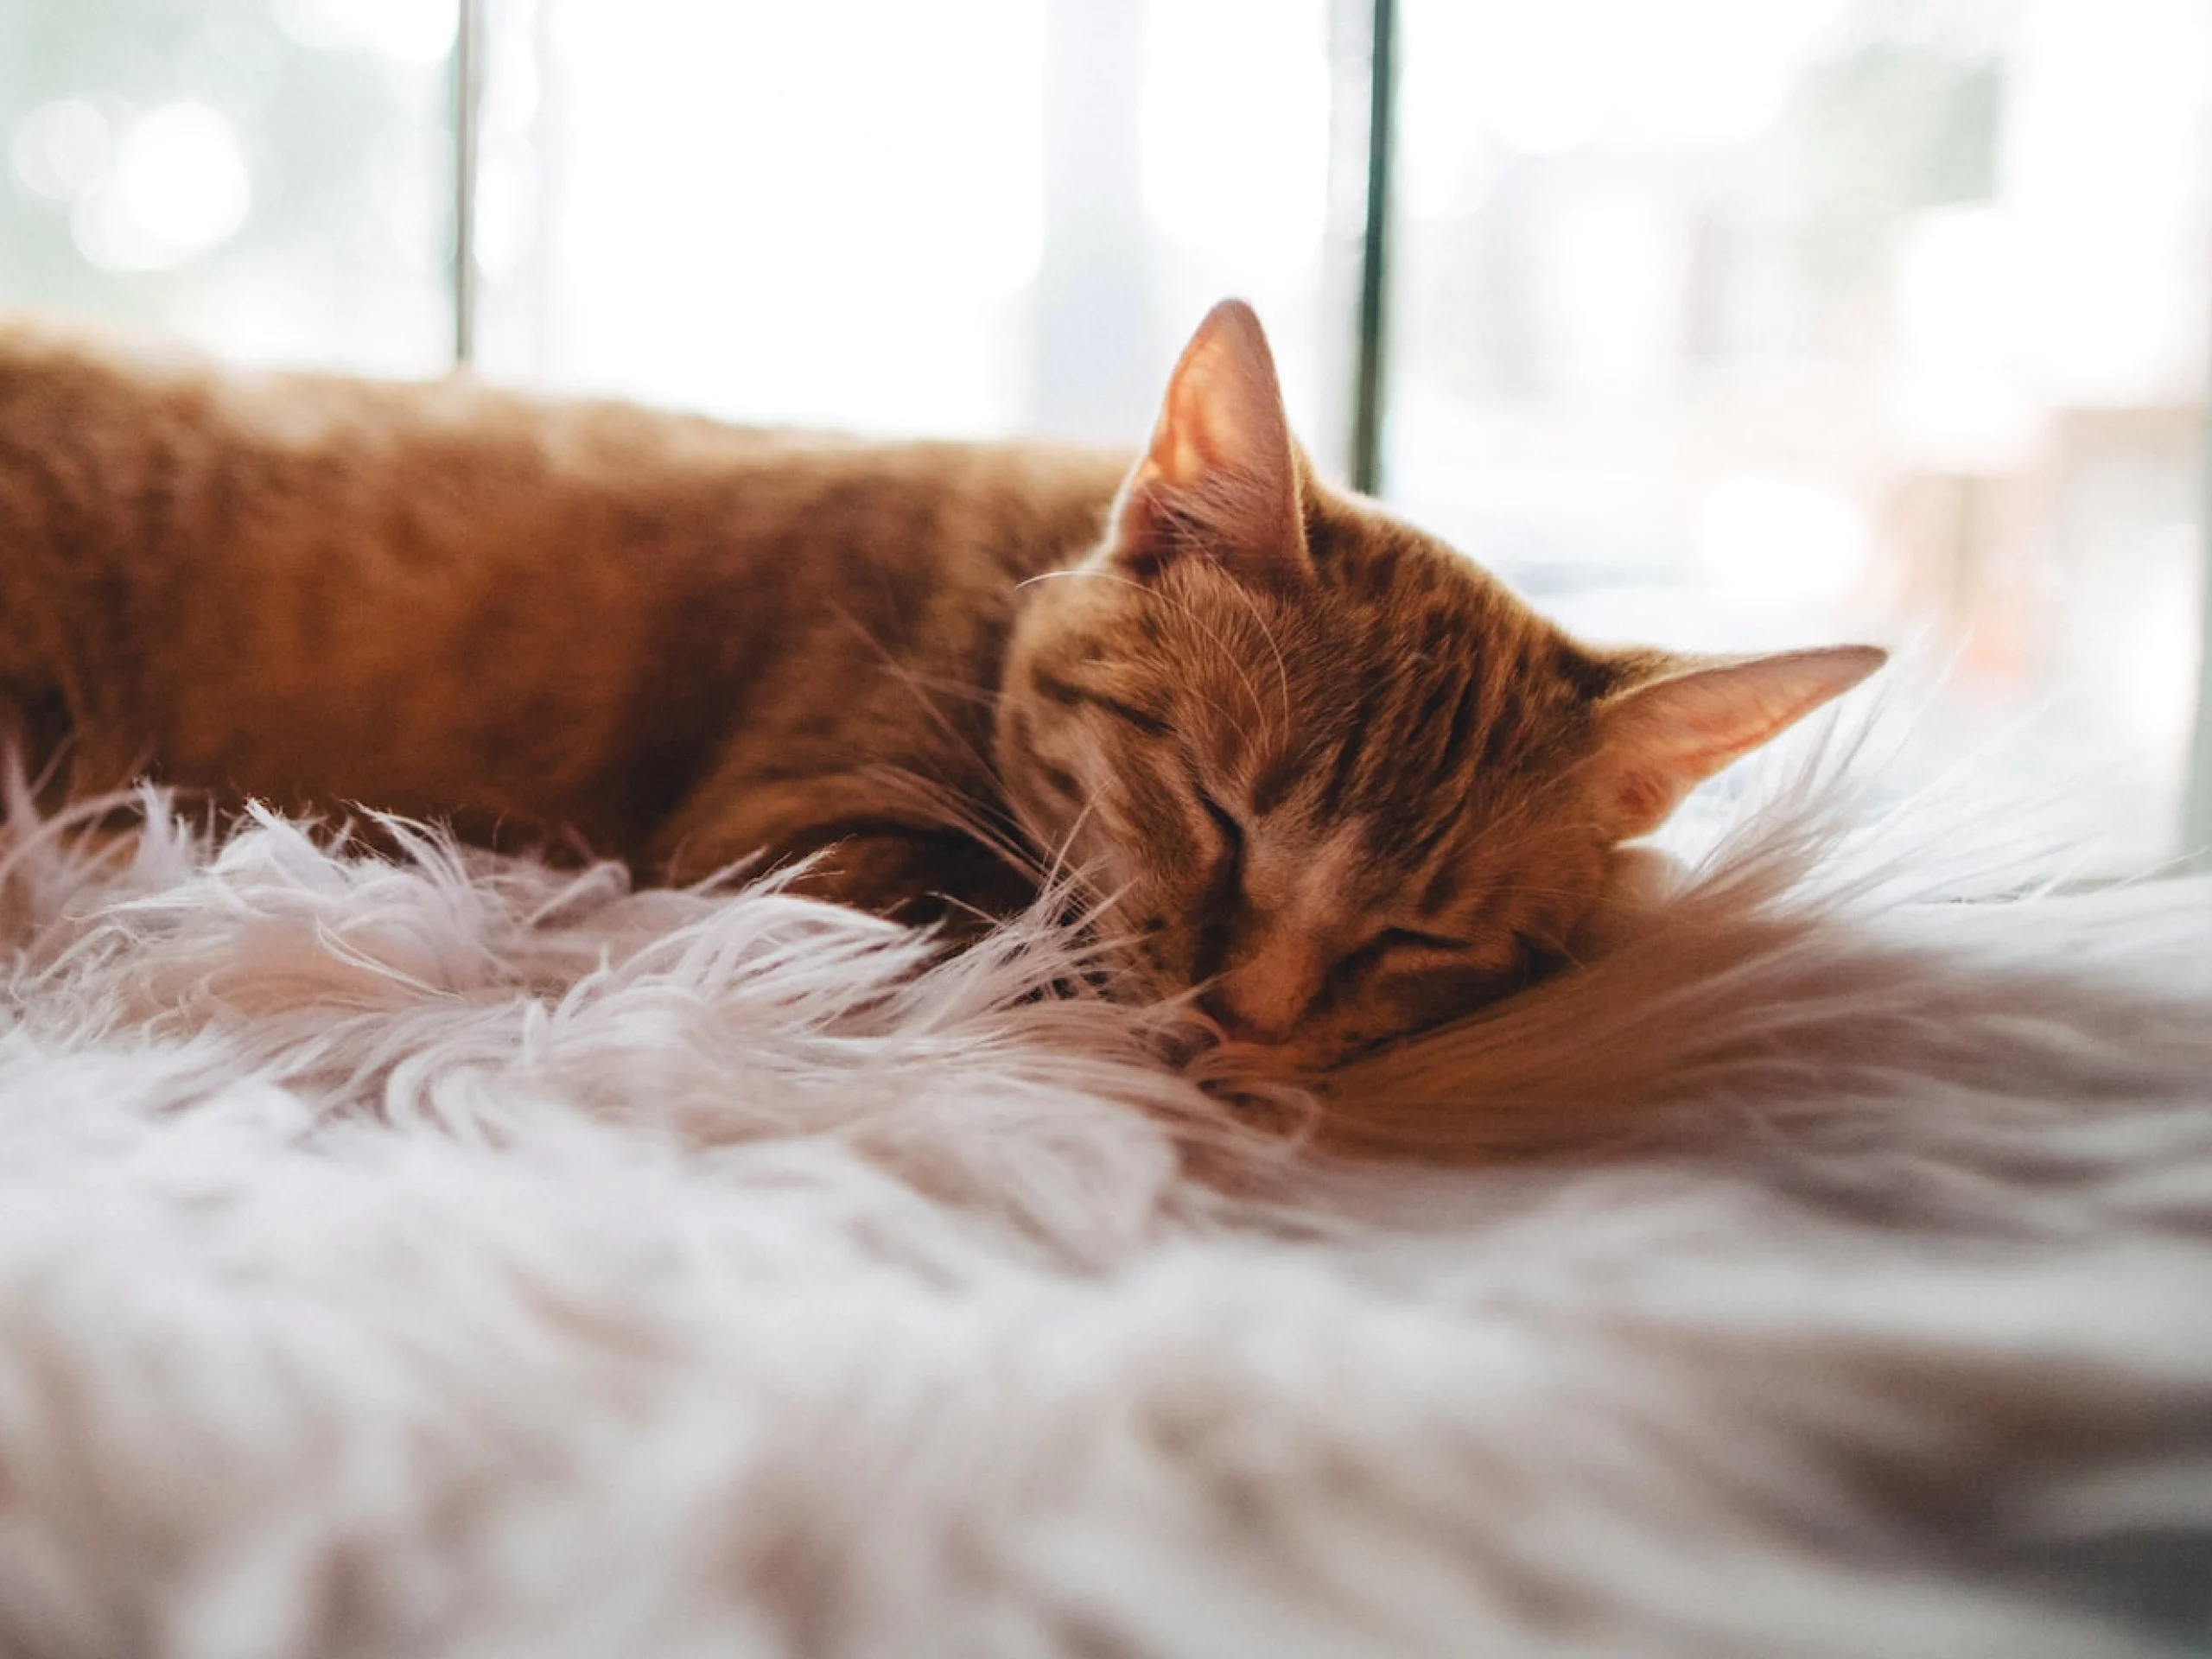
{"x":1315,"y":768}
{"x":1348,"y":808}
{"x":1335,"y":777}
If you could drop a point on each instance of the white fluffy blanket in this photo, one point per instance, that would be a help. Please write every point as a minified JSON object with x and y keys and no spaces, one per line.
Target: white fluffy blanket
{"x":448,"y":1255}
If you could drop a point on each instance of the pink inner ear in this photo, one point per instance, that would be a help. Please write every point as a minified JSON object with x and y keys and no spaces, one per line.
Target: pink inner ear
{"x":1219,"y":480}
{"x":1222,"y":408}
{"x":1659,"y":741}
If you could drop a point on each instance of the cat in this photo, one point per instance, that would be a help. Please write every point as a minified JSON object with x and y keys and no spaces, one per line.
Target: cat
{"x":1316,"y":771}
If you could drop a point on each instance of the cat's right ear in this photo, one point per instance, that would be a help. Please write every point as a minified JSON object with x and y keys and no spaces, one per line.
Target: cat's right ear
{"x":1658,"y":741}
{"x":1220,"y":478}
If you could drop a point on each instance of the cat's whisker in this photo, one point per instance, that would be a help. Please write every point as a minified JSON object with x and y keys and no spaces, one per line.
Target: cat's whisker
{"x":1282,"y":667}
{"x":1061,"y":864}
{"x":1082,"y":572}
{"x":986,"y":822}
{"x":1235,"y":659}
{"x":1184,"y":609}
{"x":914,"y":681}
{"x":939,"y":685}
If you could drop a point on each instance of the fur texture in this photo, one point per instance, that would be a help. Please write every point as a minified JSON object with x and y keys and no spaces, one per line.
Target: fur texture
{"x":1307,"y":765}
{"x":464,"y":1255}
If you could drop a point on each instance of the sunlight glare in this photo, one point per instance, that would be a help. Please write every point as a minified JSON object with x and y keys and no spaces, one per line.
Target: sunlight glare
{"x":1780,"y":548}
{"x":1233,"y":128}
{"x":1555,"y":77}
{"x":180,"y":188}
{"x":407,"y":31}
{"x":758,"y":221}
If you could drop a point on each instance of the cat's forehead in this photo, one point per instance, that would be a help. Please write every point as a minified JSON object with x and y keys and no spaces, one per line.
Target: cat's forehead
{"x":1313,"y":873}
{"x":1381,"y":711}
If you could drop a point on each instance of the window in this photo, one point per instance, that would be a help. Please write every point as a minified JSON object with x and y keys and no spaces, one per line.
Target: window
{"x":1762,"y":321}
{"x":973,"y":217}
{"x":1725,"y":322}
{"x":271,"y":176}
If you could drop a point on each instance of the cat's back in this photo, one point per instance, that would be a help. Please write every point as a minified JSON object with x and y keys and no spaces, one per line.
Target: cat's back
{"x":106,"y":423}
{"x":313,"y":586}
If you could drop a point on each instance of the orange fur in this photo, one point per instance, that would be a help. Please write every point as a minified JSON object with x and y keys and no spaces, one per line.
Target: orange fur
{"x":1313,"y":764}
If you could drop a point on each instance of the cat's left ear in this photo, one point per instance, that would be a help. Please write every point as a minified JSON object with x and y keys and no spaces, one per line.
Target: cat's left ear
{"x":1659,"y":739}
{"x":1220,"y":479}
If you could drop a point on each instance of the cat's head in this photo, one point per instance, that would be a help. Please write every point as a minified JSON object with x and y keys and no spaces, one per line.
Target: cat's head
{"x":1320,"y":768}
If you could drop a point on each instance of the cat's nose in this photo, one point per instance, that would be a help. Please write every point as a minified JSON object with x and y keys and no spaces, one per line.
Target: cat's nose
{"x":1270,"y":986}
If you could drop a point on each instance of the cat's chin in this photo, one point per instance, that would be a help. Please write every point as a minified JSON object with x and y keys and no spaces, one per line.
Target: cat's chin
{"x":1193,"y":1041}
{"x":1301,"y":1056}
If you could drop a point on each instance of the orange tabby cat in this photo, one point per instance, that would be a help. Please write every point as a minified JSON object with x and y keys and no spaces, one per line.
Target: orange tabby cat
{"x":1315,"y":765}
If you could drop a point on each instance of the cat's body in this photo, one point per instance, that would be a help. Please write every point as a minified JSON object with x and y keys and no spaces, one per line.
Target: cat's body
{"x":536,"y":618}
{"x":1315,"y":764}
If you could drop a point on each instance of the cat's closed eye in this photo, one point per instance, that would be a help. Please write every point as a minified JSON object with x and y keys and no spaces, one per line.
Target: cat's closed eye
{"x":1399,"y":946}
{"x":1451,"y":971}
{"x":1227,"y":826}
{"x":1412,"y":939}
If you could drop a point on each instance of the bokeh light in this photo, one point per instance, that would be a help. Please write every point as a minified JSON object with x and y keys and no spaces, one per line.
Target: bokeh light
{"x":179,"y":188}
{"x":64,"y":147}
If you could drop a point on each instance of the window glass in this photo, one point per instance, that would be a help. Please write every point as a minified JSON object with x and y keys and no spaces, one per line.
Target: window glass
{"x":1761,"y":322}
{"x":271,"y":178}
{"x":976,"y":216}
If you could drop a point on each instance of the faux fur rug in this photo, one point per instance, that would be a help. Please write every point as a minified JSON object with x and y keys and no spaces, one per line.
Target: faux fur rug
{"x":446,"y":1256}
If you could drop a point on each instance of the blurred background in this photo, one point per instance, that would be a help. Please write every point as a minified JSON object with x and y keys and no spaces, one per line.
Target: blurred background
{"x":1723,"y":323}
